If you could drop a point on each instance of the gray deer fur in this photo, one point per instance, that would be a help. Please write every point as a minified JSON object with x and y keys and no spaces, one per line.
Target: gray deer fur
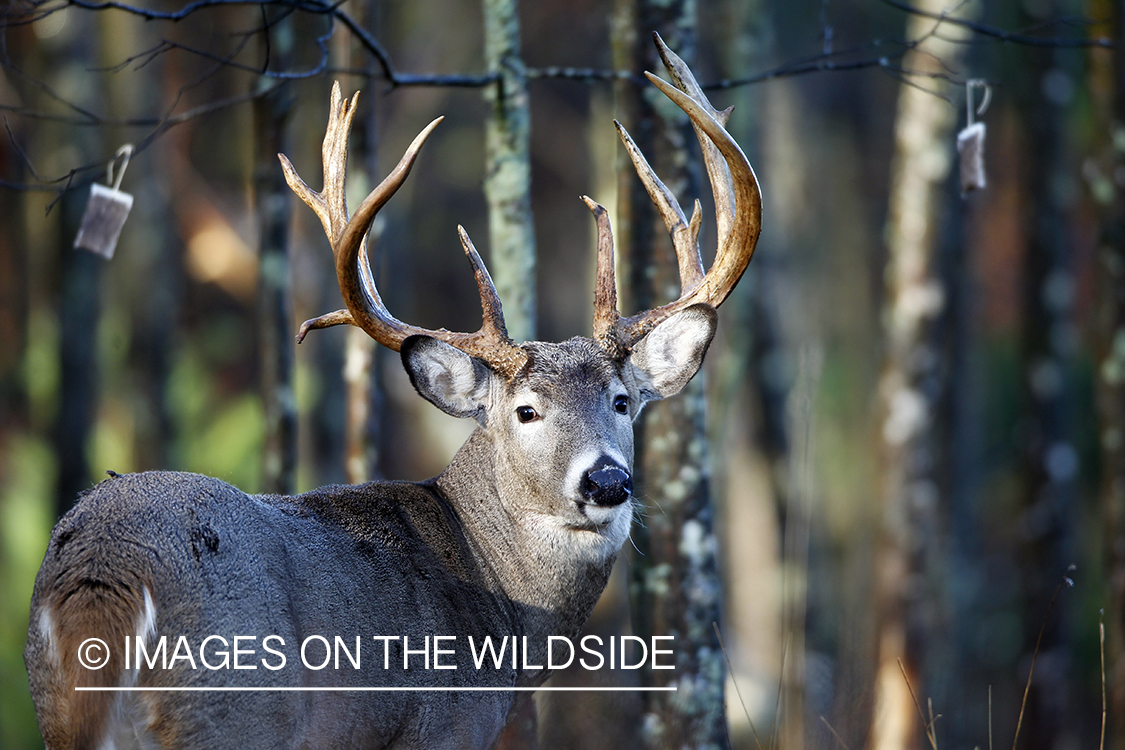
{"x":501,"y":543}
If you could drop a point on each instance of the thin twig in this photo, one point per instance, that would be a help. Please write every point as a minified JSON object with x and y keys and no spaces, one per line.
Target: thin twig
{"x":730,"y":668}
{"x":1035,"y":655}
{"x":1006,"y":36}
{"x":933,"y":721}
{"x":1101,"y":642}
{"x":834,"y":734}
{"x":780,"y":690}
{"x":989,"y":717}
{"x":19,"y":150}
{"x":917,"y":705}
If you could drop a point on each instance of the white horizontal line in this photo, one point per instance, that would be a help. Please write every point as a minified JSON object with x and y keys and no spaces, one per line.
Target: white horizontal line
{"x":375,"y":689}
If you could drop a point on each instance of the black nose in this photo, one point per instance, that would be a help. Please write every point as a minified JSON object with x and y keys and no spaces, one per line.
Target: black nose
{"x":608,"y":485}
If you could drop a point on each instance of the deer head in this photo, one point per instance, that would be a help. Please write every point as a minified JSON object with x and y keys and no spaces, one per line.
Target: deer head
{"x":558,"y":416}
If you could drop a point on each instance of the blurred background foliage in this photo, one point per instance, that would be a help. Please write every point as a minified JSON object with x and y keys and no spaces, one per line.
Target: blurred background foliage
{"x":875,"y":500}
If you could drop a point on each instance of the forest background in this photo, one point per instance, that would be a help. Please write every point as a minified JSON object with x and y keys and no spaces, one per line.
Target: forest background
{"x":915,"y":409}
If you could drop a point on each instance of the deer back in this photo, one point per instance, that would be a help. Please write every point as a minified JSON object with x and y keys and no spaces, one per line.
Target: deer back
{"x":172,"y":554}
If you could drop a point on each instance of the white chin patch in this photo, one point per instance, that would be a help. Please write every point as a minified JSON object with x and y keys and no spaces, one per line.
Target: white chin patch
{"x":585,"y":542}
{"x":613,"y":523}
{"x":602,"y":514}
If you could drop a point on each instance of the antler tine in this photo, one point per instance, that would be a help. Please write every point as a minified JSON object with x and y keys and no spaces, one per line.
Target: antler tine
{"x":738,"y":205}
{"x":605,"y":285}
{"x":685,"y":234}
{"x":334,"y":154}
{"x":328,"y":320}
{"x":492,"y":312}
{"x":717,"y":170}
{"x":365,"y":307}
{"x":341,"y":317}
{"x":330,"y":204}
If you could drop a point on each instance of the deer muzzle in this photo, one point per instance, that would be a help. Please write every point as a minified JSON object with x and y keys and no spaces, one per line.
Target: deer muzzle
{"x":607,"y":485}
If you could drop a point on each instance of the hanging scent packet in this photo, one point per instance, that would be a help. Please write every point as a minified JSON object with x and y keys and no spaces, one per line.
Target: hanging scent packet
{"x":970,"y":141}
{"x":106,"y":211}
{"x":970,"y":145}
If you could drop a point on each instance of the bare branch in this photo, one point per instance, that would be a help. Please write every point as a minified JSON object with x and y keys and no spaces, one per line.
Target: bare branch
{"x":1053,"y":42}
{"x":20,"y":150}
{"x":881,"y":54}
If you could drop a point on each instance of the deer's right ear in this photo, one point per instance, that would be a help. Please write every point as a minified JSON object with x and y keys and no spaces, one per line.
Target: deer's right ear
{"x":446,"y":377}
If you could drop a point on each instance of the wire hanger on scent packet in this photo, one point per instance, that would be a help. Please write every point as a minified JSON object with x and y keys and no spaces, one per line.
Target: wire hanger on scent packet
{"x":107,"y":209}
{"x":970,"y":141}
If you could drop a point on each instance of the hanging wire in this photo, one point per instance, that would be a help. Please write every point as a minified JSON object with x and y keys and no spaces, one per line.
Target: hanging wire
{"x":980,"y":109}
{"x":124,"y":154}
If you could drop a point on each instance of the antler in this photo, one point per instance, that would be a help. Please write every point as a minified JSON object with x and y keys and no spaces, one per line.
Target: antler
{"x":738,"y":208}
{"x":365,"y":307}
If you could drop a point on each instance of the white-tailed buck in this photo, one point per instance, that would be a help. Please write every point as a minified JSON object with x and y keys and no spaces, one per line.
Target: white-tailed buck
{"x":226,"y":620}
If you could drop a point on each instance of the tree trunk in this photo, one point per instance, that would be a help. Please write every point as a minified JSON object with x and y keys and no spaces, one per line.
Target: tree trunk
{"x":908,"y":562}
{"x":1107,"y":83}
{"x":274,"y":320}
{"x":511,"y":228}
{"x":79,"y":298}
{"x":675,"y":583}
{"x":507,"y":182}
{"x":157,"y":302}
{"x":363,"y":405}
{"x":751,"y":491}
{"x":1049,"y":473}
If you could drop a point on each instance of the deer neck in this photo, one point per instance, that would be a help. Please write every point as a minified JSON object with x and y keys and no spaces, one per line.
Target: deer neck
{"x":555,"y":584}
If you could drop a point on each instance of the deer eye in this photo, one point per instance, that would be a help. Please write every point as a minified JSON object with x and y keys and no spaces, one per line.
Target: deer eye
{"x":621,"y":404}
{"x":526,"y":414}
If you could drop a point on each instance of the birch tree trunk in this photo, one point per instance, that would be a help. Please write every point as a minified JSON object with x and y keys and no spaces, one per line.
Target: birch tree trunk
{"x":911,"y":387}
{"x":675,"y":587}
{"x":507,"y":182}
{"x":511,"y":228}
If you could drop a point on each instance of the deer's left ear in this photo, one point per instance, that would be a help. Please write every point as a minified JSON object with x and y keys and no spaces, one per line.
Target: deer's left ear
{"x":665,"y":360}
